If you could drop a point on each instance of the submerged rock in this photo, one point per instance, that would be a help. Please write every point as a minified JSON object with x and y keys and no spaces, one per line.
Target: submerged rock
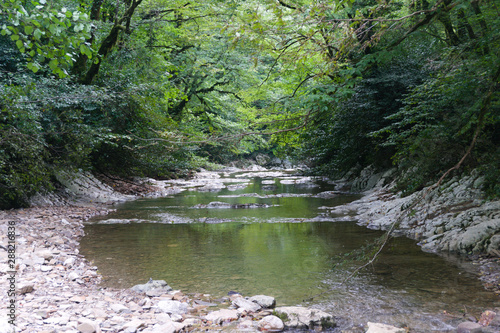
{"x":152,"y":284}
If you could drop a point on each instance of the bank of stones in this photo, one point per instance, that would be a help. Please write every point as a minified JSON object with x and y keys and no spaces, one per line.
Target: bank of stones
{"x":58,"y":290}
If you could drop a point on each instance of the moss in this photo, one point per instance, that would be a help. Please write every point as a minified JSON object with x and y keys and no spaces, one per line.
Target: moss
{"x":281,"y":315}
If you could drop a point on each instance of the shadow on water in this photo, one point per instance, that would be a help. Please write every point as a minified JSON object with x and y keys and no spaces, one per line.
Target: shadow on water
{"x":288,"y":260}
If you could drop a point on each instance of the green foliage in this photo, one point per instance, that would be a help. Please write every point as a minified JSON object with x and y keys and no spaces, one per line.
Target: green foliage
{"x":341,"y":141}
{"x":156,"y":88}
{"x":49,"y":36}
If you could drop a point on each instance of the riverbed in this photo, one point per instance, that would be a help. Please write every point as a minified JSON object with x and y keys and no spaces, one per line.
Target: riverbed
{"x":264,"y":233}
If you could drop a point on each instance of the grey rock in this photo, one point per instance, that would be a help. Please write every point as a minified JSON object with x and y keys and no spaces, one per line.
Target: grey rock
{"x":494,"y":246}
{"x":119,"y":308}
{"x":262,"y":159}
{"x":300,"y":317}
{"x":469,"y":327}
{"x":246,"y":305}
{"x":221,"y":316}
{"x":173,"y":307}
{"x":156,"y":292}
{"x":100,"y":313}
{"x":25,"y":289}
{"x":264,"y":301}
{"x":69,"y":262}
{"x":133,"y":326}
{"x":271,"y":323}
{"x":152,"y":284}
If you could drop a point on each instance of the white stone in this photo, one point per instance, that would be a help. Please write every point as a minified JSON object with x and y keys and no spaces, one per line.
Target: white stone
{"x":246,"y":305}
{"x":223,"y":315}
{"x":383,"y":328}
{"x":133,"y":326}
{"x":264,"y":301}
{"x":45,"y":268}
{"x":119,"y":308}
{"x":271,"y":323}
{"x":69,"y":262}
{"x":165,"y":328}
{"x":173,"y":307}
{"x":86,"y":328}
{"x":73,"y":276}
{"x":301,"y":317}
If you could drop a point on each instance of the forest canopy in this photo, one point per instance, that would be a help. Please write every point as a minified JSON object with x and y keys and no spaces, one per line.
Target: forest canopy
{"x":158,"y":88}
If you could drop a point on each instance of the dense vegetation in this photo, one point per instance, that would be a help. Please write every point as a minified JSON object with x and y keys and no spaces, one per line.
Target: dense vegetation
{"x":157,"y":88}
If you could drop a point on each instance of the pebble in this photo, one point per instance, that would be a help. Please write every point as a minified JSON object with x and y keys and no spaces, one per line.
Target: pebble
{"x":86,"y":328}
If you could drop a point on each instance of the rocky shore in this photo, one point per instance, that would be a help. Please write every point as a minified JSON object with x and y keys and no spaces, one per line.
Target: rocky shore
{"x":454,"y":218}
{"x":58,"y":290}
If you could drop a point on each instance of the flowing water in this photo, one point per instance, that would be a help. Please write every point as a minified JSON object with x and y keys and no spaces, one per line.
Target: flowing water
{"x":284,"y":247}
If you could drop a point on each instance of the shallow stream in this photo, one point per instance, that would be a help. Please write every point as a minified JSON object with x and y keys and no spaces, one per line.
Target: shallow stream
{"x":283,"y":247}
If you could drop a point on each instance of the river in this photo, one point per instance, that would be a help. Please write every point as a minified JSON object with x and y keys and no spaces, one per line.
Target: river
{"x":210,"y":241}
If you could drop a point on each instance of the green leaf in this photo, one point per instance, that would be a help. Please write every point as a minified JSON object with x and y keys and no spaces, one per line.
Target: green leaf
{"x":14,"y":37}
{"x":19,"y":44}
{"x":53,"y":64}
{"x":78,"y":27}
{"x":28,"y":30}
{"x":53,"y":29}
{"x":38,"y":33}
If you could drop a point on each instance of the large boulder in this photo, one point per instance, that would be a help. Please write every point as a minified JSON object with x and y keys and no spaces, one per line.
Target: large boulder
{"x":304,"y":318}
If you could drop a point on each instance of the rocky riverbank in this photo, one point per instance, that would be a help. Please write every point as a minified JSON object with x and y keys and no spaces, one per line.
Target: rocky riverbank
{"x":58,"y":290}
{"x":454,"y":218}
